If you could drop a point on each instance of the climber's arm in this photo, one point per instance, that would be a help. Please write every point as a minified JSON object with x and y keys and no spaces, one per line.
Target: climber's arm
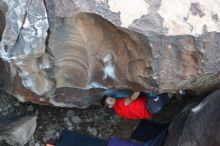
{"x":130,"y":99}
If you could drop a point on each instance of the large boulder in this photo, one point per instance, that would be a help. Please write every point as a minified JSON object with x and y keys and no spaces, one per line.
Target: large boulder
{"x":67,"y":53}
{"x":18,"y":132}
{"x":197,"y":125}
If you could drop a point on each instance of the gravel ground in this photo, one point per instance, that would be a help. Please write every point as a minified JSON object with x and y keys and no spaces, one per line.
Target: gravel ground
{"x":96,"y":121}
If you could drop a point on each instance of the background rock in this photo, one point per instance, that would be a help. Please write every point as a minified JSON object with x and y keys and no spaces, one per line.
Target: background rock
{"x":67,"y":53}
{"x":197,"y":125}
{"x":177,"y":17}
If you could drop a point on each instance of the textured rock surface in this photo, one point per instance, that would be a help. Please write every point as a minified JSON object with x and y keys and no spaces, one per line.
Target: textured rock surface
{"x":23,"y":43}
{"x":198,"y":125}
{"x":67,"y":52}
{"x":147,"y":16}
{"x":180,"y":62}
{"x":18,"y":132}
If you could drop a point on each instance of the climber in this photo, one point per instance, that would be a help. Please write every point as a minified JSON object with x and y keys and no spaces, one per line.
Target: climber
{"x":137,"y":106}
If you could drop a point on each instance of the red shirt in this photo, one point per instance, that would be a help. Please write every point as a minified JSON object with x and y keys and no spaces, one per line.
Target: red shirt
{"x":135,"y":110}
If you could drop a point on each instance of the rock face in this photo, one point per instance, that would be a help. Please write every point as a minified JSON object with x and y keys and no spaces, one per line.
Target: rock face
{"x":198,"y":125}
{"x":18,"y":132}
{"x":67,"y":53}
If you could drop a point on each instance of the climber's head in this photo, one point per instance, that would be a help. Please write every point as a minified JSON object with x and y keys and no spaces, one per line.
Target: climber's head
{"x":108,"y":101}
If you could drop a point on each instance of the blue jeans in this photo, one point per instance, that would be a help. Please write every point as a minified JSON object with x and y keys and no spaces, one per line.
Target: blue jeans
{"x":73,"y":138}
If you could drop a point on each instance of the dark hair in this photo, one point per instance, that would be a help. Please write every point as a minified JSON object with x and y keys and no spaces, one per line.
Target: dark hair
{"x":103,"y":101}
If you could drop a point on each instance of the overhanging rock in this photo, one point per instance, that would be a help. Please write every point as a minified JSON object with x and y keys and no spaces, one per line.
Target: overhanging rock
{"x":66,"y":53}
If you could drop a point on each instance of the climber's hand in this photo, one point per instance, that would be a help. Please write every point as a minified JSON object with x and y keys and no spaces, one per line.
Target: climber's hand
{"x":135,"y":95}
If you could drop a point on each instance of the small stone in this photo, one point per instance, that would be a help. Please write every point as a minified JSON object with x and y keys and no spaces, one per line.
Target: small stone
{"x":69,"y":124}
{"x":37,"y":112}
{"x":92,"y":131}
{"x":70,"y":128}
{"x":17,"y":104}
{"x":57,"y":134}
{"x":65,"y":119}
{"x":76,"y":120}
{"x":5,"y":113}
{"x":37,"y":144}
{"x":5,"y":108}
{"x":30,"y":108}
{"x":70,"y":113}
